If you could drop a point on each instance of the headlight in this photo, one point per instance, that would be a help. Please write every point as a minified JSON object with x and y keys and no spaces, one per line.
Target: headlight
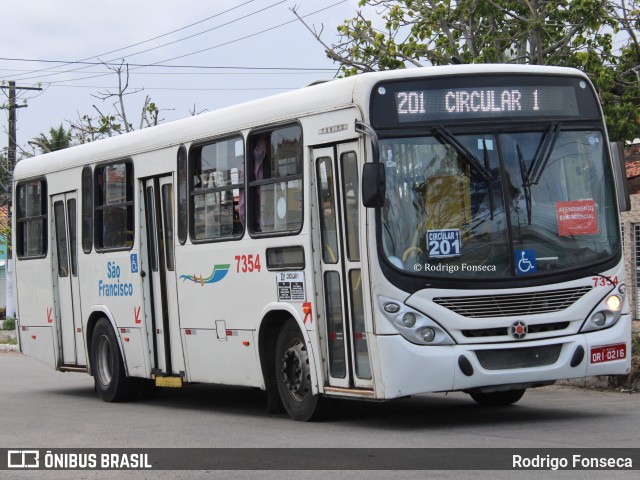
{"x":606,"y":313}
{"x":409,"y":319}
{"x":413,"y":325}
{"x":599,"y":319}
{"x":614,"y":302}
{"x":428,"y":334}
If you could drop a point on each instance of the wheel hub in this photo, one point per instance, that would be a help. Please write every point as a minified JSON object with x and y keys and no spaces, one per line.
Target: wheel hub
{"x":295,"y":370}
{"x":104,"y":360}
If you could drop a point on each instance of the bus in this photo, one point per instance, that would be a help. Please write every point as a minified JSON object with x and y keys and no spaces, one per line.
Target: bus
{"x":383,"y":235}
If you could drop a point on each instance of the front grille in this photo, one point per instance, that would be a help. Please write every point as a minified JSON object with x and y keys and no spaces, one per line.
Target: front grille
{"x":531,"y":303}
{"x":527,"y":357}
{"x":502,"y":331}
{"x":486,"y":332}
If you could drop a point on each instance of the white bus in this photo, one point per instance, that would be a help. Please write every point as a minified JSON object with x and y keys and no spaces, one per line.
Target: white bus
{"x":388,"y":234}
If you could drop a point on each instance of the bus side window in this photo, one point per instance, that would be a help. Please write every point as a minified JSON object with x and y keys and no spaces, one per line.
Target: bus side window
{"x":113,"y":208}
{"x":217,"y":190}
{"x":31,"y":220}
{"x":275,"y":181}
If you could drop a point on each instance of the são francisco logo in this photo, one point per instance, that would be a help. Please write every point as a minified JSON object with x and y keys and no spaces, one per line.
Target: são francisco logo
{"x":218,"y":273}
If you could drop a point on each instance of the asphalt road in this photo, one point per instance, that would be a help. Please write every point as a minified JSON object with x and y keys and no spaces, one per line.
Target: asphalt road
{"x":41,"y":408}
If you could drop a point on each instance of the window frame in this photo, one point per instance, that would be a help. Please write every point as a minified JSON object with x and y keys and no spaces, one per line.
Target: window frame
{"x":21,"y":221}
{"x":182,"y":191}
{"x":191,"y":193}
{"x":86,"y":221}
{"x":61,"y":236}
{"x":97,"y":205}
{"x":251,"y":183}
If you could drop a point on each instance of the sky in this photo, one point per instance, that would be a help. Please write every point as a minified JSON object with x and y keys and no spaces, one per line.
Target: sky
{"x":270,"y":49}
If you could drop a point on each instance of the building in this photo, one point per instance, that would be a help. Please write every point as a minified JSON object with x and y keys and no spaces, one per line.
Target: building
{"x":631,"y":228}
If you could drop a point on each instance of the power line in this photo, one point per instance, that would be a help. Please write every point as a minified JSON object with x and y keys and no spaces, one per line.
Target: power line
{"x":173,"y":42}
{"x":251,"y":34}
{"x":178,"y":89}
{"x":145,"y":65}
{"x":283,"y":72}
{"x":158,"y":36}
{"x":162,"y":62}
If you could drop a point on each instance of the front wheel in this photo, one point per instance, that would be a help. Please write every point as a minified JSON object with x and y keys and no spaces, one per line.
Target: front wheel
{"x":107,"y":365}
{"x":293,"y":375}
{"x":497,"y":399}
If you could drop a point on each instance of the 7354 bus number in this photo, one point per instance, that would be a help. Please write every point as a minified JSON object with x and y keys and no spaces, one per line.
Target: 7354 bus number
{"x":604,"y":281}
{"x":247,"y":263}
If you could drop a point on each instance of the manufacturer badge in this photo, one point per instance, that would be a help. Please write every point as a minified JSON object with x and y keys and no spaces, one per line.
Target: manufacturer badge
{"x":519,"y":330}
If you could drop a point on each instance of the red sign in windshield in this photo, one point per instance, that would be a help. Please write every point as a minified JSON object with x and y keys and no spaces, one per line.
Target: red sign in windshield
{"x":578,"y":217}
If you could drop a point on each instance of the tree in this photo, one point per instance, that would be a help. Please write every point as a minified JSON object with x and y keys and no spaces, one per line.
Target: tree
{"x":576,"y":33}
{"x":58,"y":139}
{"x":5,"y":178}
{"x":89,"y":128}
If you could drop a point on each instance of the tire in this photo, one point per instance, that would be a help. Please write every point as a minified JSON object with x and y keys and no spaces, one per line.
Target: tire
{"x":498,"y":399}
{"x":110,"y":378}
{"x":293,"y":375}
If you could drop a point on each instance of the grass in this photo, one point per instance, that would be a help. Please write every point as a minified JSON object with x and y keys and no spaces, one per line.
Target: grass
{"x":8,"y":341}
{"x":632,"y":380}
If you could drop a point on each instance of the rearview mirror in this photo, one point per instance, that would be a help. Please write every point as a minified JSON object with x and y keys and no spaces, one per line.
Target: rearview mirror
{"x":620,"y":171}
{"x":373,"y":185}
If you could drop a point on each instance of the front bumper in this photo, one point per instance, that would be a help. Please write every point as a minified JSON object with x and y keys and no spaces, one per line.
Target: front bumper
{"x":408,"y":369}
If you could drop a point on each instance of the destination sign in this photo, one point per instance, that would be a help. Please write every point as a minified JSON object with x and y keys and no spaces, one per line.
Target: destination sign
{"x":530,"y":101}
{"x":443,"y":100}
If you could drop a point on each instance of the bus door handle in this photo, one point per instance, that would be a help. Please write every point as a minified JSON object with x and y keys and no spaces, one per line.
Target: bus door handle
{"x":143,"y":273}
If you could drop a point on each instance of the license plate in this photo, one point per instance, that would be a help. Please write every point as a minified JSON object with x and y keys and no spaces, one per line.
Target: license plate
{"x":608,"y":353}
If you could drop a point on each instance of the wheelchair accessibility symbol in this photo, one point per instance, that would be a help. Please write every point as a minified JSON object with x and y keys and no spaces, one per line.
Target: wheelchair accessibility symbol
{"x":134,"y":263}
{"x":526,"y":262}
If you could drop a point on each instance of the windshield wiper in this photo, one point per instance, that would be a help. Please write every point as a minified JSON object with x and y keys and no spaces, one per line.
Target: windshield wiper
{"x":538,"y":164}
{"x":525,"y":186}
{"x":542,"y":155}
{"x":485,"y":154}
{"x":467,"y":154}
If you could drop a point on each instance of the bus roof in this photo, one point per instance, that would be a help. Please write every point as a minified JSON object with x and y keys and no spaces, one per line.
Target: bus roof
{"x":331,"y":95}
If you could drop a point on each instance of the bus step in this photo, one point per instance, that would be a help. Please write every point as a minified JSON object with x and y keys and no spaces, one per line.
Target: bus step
{"x":72,"y":368}
{"x":351,"y":392}
{"x":171,"y":382}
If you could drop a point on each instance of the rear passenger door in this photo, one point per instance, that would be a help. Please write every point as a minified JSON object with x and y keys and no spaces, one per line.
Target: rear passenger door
{"x":65,"y":271}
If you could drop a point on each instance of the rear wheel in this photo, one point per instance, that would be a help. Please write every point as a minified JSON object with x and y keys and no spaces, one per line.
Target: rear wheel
{"x":110,"y":378}
{"x":497,"y":399}
{"x":293,"y":375}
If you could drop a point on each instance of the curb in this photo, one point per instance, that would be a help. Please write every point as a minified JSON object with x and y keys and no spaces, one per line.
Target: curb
{"x":601,"y":382}
{"x":8,"y":348}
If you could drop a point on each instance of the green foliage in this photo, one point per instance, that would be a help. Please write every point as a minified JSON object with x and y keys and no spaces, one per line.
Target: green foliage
{"x":5,"y":236}
{"x":58,"y":139}
{"x":572,"y":33}
{"x":632,"y":380}
{"x":9,"y":324}
{"x":4,"y":177}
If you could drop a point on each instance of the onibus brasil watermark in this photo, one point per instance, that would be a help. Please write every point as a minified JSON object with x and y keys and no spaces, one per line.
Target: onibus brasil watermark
{"x":35,"y":459}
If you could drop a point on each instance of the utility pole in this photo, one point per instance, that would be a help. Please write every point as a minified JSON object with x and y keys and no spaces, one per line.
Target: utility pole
{"x":11,"y":163}
{"x":11,"y":157}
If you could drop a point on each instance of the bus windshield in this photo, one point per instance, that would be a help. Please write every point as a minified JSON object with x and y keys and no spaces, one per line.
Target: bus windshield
{"x":496,"y":205}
